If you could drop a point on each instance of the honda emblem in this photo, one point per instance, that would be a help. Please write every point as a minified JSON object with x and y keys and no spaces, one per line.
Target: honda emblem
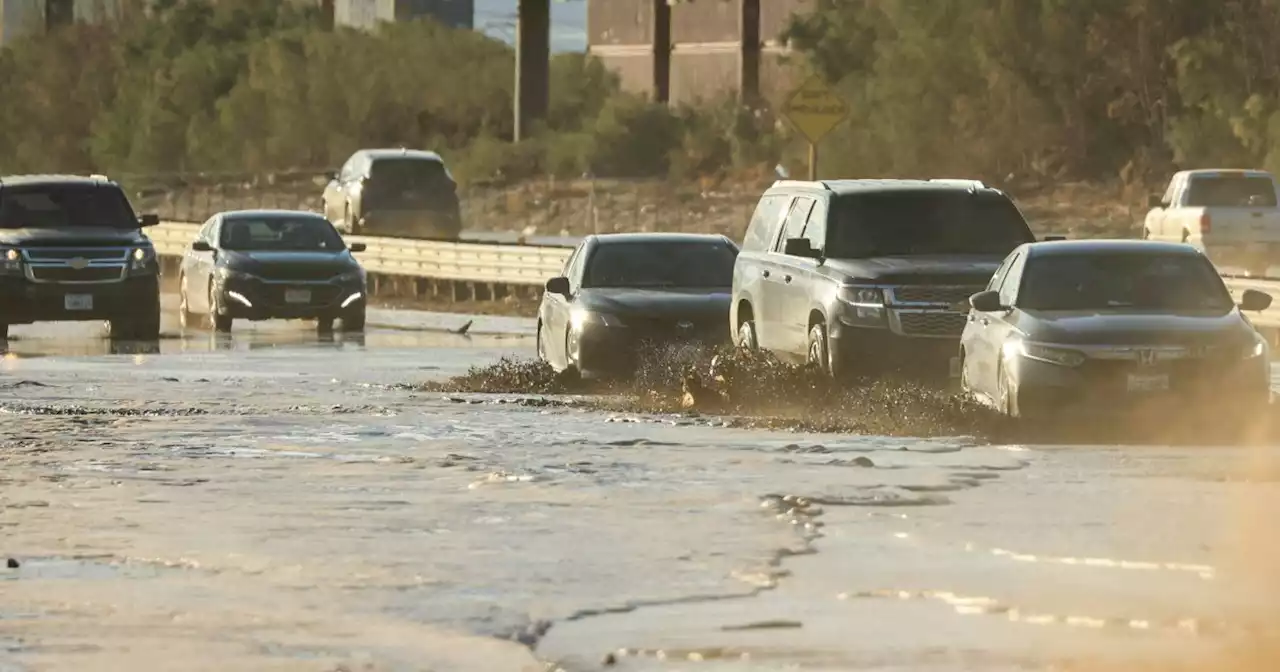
{"x":1146,"y":357}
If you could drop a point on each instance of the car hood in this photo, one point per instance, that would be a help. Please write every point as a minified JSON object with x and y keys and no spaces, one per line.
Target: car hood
{"x":73,"y":236}
{"x":950,"y":269}
{"x":252,"y":261}
{"x":1137,"y":328}
{"x":693,"y":303}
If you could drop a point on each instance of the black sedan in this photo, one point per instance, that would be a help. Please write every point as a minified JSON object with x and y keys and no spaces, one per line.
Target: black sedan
{"x":1113,"y":327}
{"x":620,"y":291}
{"x":272,"y":264}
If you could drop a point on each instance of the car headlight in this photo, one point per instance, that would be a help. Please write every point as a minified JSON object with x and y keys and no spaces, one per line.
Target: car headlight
{"x":580,"y":318}
{"x":141,"y":258}
{"x":10,"y":261}
{"x":867,"y":302}
{"x":349,"y":276}
{"x":1049,"y":354}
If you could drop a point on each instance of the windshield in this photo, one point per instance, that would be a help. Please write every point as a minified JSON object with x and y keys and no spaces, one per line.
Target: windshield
{"x":1231,"y":192}
{"x":922,"y":222}
{"x":664,"y":264}
{"x":1111,"y":281}
{"x":280,"y":233}
{"x":57,"y":206}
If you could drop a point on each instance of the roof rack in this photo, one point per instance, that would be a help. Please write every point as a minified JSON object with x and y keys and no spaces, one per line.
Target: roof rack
{"x":817,"y":184}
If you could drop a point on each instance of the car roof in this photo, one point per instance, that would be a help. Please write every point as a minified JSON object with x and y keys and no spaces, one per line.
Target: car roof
{"x":1226,"y":172}
{"x":870,"y":186}
{"x":269,"y":214}
{"x":50,"y":179}
{"x":622,"y":238}
{"x":1106,"y":246}
{"x":401,"y":153}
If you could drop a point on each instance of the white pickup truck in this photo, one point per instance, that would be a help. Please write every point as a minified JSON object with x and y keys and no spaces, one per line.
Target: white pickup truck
{"x":1230,"y":214}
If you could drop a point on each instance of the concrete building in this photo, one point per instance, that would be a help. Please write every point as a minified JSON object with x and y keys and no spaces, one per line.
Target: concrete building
{"x":713,"y":47}
{"x":366,"y":14}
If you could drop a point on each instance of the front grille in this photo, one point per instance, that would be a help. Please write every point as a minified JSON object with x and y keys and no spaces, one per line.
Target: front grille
{"x":669,"y":329}
{"x":298,"y":273}
{"x":39,"y":254}
{"x":68,"y":274}
{"x":934,"y":294}
{"x":932,"y":323}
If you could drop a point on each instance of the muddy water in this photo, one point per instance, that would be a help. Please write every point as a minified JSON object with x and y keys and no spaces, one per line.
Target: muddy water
{"x":275,"y":500}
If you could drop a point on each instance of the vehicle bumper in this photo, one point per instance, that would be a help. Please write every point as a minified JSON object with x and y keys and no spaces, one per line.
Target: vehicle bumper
{"x":25,"y":302}
{"x":1114,"y":389}
{"x":410,"y":224}
{"x":872,"y":351}
{"x":255,"y":300}
{"x":605,"y":350}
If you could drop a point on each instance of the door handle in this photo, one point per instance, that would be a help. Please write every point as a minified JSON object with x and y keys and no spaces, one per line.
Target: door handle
{"x":985,"y":322}
{"x":765,"y":273}
{"x":786,"y":278}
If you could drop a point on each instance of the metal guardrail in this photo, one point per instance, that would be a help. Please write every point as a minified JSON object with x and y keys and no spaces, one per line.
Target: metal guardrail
{"x":438,"y":260}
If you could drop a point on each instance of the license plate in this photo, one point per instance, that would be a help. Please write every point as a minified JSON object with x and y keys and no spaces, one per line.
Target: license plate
{"x":297,"y":296}
{"x":954,"y":367}
{"x":1153,"y":382}
{"x":77,"y":302}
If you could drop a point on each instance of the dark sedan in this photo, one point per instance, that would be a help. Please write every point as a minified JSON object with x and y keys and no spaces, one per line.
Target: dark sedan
{"x":620,"y":291}
{"x":1113,"y":326}
{"x":272,"y":264}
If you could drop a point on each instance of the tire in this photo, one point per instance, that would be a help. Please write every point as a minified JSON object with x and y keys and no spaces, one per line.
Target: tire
{"x":1007,"y":399}
{"x":221,"y":323}
{"x":4,"y":332}
{"x":348,"y":220}
{"x":747,"y":336}
{"x":539,"y":347}
{"x":353,"y":322}
{"x":569,"y":364}
{"x":186,"y":318}
{"x":143,"y":326}
{"x":819,"y":350}
{"x":324,"y":325}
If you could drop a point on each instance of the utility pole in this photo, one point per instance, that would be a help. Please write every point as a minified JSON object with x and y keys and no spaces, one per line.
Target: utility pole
{"x":533,"y":65}
{"x":662,"y":51}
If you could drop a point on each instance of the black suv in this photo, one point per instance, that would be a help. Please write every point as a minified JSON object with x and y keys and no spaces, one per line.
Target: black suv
{"x":72,"y":248}
{"x":865,"y":277}
{"x":401,"y":193}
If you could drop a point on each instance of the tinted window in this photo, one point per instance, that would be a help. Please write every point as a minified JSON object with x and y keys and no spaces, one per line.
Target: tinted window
{"x":409,"y":172}
{"x":763,"y":223}
{"x":1122,"y":280}
{"x":909,"y":223}
{"x":63,"y":205}
{"x":1231,"y":192}
{"x":280,"y":233}
{"x":665,"y":264}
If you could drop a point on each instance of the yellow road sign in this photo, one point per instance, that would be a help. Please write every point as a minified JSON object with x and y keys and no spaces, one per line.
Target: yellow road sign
{"x":814,"y":109}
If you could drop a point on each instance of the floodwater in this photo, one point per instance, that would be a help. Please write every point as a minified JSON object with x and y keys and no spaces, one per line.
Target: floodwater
{"x":274,"y":500}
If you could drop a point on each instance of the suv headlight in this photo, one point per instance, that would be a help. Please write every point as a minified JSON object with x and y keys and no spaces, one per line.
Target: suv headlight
{"x":141,"y":259}
{"x":10,"y":261}
{"x":580,"y":318}
{"x":867,"y":302}
{"x":1049,"y":354}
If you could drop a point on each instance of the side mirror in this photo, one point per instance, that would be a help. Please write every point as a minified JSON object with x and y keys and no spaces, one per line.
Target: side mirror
{"x":986,"y":302}
{"x":358,"y":247}
{"x":799,"y":247}
{"x":1154,"y":202}
{"x":1254,"y":301}
{"x":148,"y":220}
{"x":201,"y":246}
{"x":558,"y":285}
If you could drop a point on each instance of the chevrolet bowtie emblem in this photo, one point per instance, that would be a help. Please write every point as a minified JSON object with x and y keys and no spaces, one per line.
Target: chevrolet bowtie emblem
{"x":684,"y":325}
{"x":79,"y":263}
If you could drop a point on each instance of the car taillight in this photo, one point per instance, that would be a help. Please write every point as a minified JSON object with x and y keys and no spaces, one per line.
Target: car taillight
{"x":1205,"y":223}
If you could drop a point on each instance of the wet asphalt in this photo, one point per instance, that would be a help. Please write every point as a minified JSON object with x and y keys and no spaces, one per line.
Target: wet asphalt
{"x":281,"y":500}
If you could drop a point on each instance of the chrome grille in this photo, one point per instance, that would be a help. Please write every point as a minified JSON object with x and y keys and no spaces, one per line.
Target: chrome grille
{"x":77,"y":275}
{"x":65,"y":254}
{"x":933,"y":323}
{"x":298,"y":273}
{"x":934,"y":294}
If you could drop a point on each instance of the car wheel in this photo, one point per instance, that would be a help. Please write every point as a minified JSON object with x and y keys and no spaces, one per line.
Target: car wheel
{"x":141,"y":326}
{"x":539,"y":346}
{"x":819,"y":350}
{"x":1007,"y":399}
{"x":221,"y":322}
{"x":747,"y":335}
{"x":324,"y":325}
{"x":4,"y":332}
{"x":186,"y":318}
{"x":348,"y":221}
{"x":570,"y":364}
{"x":353,"y":322}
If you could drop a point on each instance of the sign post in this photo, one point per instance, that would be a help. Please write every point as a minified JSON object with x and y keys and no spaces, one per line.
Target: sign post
{"x":814,"y":109}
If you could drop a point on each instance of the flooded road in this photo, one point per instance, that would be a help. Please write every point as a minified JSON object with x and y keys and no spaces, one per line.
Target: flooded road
{"x":276,"y":500}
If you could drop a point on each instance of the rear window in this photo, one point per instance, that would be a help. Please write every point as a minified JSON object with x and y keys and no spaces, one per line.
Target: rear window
{"x":1114,"y":281}
{"x":280,"y":234}
{"x":661,"y":264}
{"x":1231,"y":192}
{"x":924,"y":222}
{"x":409,"y":172}
{"x":59,"y":206}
